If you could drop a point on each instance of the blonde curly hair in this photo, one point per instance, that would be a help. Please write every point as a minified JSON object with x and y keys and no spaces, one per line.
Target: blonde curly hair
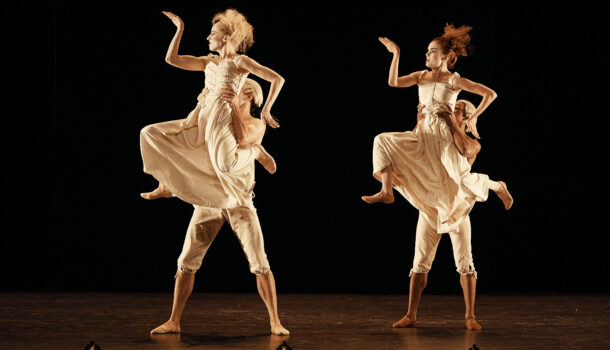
{"x":236,"y":25}
{"x":252,"y":87}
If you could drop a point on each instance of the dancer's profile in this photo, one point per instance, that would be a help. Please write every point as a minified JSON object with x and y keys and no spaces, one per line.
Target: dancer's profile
{"x":430,"y":166}
{"x":208,"y":158}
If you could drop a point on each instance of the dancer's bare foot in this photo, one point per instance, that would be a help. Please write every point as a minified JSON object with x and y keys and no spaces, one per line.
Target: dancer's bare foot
{"x":278,"y":329}
{"x":504,"y":195}
{"x":159,"y":192}
{"x":383,"y":197}
{"x":405,"y":322}
{"x":472,"y":324}
{"x":167,"y":327}
{"x":266,"y":160}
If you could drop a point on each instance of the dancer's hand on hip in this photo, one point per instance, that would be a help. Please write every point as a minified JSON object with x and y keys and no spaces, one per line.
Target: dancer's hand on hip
{"x":269,"y":119}
{"x":390,"y":45}
{"x":175,"y":19}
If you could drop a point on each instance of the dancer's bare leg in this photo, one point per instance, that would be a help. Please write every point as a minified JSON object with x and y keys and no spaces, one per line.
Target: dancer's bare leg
{"x":469,"y":286}
{"x":159,"y":192}
{"x":385,"y":195}
{"x":418,"y":283}
{"x":500,"y":189}
{"x":266,"y":288}
{"x":182,"y":291}
{"x":266,"y":160}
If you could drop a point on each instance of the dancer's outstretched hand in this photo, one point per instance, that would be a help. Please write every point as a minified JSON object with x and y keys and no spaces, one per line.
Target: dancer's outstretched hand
{"x":269,"y":119}
{"x":175,"y":19}
{"x":471,"y":125}
{"x":390,"y":45}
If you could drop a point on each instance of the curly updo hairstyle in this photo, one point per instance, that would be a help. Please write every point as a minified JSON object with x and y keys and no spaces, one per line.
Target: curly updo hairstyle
{"x":237,"y":26}
{"x":455,"y":43}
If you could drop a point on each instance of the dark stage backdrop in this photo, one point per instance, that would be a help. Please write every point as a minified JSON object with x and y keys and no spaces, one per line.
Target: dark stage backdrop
{"x":545,"y":136}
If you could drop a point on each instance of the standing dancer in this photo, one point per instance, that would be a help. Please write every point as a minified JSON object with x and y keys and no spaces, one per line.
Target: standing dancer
{"x":200,"y":160}
{"x":425,"y":165}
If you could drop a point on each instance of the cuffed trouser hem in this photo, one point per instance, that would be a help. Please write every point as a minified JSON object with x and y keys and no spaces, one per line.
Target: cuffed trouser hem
{"x":205,"y":225}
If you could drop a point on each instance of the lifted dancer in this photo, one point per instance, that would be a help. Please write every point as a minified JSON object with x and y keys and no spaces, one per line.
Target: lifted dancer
{"x":208,"y":158}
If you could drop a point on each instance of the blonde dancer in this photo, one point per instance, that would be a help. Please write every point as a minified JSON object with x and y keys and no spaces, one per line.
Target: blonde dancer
{"x":207,"y":159}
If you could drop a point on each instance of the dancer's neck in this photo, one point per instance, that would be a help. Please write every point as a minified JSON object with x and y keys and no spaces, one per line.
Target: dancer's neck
{"x":438,"y":72}
{"x":226,"y":52}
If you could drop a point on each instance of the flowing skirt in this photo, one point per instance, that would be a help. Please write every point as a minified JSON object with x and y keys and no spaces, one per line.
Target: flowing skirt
{"x":197,"y":158}
{"x":429,"y":171}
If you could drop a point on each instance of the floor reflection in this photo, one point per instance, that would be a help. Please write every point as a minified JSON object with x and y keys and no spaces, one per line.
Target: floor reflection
{"x":435,"y":338}
{"x":182,"y":341}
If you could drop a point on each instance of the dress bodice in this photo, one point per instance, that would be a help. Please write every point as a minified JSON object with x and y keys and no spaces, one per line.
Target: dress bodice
{"x":434,"y":94}
{"x":225,"y":72}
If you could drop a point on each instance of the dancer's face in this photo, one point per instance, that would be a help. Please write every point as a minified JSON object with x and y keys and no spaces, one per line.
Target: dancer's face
{"x":215,"y":39}
{"x":434,"y":56}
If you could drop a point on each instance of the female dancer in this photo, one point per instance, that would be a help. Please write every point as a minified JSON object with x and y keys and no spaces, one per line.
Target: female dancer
{"x":170,"y":150}
{"x":425,"y":166}
{"x":200,"y":161}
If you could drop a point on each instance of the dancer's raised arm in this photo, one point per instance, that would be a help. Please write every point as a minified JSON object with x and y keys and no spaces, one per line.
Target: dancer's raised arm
{"x":269,"y":75}
{"x":186,"y":62}
{"x":488,"y":96}
{"x":393,"y":79}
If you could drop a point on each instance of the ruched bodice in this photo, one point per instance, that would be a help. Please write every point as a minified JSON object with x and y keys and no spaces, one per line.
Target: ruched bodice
{"x":226,"y":72}
{"x":435,"y":94}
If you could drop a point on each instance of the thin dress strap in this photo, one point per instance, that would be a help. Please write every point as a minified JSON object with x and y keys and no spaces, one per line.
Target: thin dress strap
{"x":452,"y":78}
{"x":421,"y":75}
{"x":237,"y":59}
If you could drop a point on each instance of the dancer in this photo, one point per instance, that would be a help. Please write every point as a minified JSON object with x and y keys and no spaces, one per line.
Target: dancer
{"x":199,"y":160}
{"x":426,"y":166}
{"x":179,"y":173}
{"x":427,"y":239}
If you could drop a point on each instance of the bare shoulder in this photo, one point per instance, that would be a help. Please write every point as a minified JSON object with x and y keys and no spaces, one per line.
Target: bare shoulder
{"x":245,"y":61}
{"x":460,"y":82}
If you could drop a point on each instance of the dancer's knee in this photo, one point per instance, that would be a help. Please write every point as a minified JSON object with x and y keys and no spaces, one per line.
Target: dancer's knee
{"x":420,"y":268}
{"x":260,"y":267}
{"x":466,"y":267}
{"x":185,"y":270}
{"x":147,"y":130}
{"x":380,"y":139}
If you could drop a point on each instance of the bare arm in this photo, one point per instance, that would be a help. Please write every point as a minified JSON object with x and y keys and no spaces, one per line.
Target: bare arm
{"x":393,"y":79}
{"x":269,"y":75}
{"x":467,"y":146}
{"x":488,"y":96}
{"x":186,"y":62}
{"x":246,"y":128}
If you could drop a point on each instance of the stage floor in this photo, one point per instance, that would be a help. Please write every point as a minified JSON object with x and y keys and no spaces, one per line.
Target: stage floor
{"x":316,"y":321}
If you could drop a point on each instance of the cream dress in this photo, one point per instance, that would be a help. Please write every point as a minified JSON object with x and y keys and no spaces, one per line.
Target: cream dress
{"x":427,"y":168}
{"x":197,"y":158}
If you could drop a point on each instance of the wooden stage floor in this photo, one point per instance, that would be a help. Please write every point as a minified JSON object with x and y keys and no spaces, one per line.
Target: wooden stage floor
{"x":316,"y":321}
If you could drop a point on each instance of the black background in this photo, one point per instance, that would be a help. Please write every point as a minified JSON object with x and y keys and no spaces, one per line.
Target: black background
{"x":79,"y":174}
